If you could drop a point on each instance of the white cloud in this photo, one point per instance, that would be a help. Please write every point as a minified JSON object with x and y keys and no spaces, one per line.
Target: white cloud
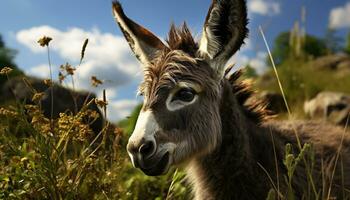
{"x":247,"y":45}
{"x":41,"y":71}
{"x":108,"y":57}
{"x":340,"y":17}
{"x":259,"y":62}
{"x":111,"y":93}
{"x":117,"y":110}
{"x":239,"y":60}
{"x":264,"y":7}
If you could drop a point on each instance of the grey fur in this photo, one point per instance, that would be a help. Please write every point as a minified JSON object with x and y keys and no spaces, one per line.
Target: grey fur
{"x":226,"y":145}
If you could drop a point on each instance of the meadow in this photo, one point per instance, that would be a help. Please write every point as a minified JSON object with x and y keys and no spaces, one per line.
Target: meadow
{"x":43,"y":157}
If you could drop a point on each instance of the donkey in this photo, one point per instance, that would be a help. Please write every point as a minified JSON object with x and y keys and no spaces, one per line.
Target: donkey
{"x":195,"y":115}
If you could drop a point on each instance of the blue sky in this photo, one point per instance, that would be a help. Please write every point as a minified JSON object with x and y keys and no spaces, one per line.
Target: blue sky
{"x":69,"y":22}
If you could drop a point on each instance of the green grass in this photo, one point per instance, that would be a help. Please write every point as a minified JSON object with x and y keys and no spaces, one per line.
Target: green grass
{"x":42,"y":158}
{"x":301,"y":81}
{"x":45,"y":158}
{"x":64,"y":163}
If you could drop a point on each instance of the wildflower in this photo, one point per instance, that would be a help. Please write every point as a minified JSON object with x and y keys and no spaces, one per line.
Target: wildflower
{"x":101,"y":103}
{"x":38,"y":96}
{"x":48,"y":82}
{"x":68,"y":68}
{"x":44,"y":126}
{"x":84,"y":132}
{"x":36,"y":119}
{"x":6,"y":70}
{"x":39,"y":121}
{"x":95,"y":82}
{"x":6,"y":112}
{"x":31,"y":108}
{"x":44,"y":41}
{"x":92,"y":114}
{"x":73,"y":127}
{"x":118,"y":131}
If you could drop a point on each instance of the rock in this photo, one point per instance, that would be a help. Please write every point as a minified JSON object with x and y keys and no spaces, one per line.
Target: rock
{"x":275,"y":101}
{"x":64,"y":99}
{"x":330,"y":106}
{"x":345,"y":65}
{"x":332,"y":62}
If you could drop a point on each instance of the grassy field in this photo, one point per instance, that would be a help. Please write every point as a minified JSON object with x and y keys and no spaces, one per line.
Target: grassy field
{"x":302,"y":81}
{"x":44,"y":158}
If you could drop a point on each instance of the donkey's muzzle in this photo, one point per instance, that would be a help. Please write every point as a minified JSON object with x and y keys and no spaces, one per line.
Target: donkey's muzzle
{"x":142,"y":150}
{"x":145,"y":156}
{"x":156,"y":165}
{"x":147,"y":149}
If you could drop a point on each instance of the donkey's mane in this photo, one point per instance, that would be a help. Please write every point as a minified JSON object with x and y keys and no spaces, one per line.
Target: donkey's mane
{"x":254,"y":108}
{"x":180,"y":38}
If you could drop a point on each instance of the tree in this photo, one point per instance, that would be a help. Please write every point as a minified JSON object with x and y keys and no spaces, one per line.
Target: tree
{"x":332,"y":41}
{"x":347,"y":45}
{"x":6,"y":55}
{"x":6,"y":60}
{"x":249,"y":72}
{"x":282,"y":49}
{"x":314,"y":46}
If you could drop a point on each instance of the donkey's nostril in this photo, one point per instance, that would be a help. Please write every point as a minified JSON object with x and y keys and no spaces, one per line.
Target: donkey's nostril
{"x":146,"y":149}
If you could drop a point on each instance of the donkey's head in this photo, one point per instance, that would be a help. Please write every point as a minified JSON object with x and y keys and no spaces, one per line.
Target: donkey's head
{"x":180,"y":116}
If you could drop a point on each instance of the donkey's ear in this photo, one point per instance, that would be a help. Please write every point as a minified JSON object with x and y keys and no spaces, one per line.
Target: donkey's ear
{"x":142,"y":42}
{"x":224,"y":31}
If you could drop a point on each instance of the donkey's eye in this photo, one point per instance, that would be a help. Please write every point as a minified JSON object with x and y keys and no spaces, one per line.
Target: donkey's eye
{"x":185,"y":94}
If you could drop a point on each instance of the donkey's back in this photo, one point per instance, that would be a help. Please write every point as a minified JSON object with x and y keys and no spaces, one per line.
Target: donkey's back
{"x":326,"y":160}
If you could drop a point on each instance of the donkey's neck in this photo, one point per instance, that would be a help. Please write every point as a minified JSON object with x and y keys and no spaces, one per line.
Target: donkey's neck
{"x":230,"y":171}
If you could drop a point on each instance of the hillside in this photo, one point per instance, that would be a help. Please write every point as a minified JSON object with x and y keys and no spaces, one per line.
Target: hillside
{"x":303,"y":80}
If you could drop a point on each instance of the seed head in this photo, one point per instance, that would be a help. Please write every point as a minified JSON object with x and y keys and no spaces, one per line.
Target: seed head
{"x":6,"y":70}
{"x":44,"y":41}
{"x":95,"y":82}
{"x":7,"y":112}
{"x":61,"y":77}
{"x":83,"y":49}
{"x":101,"y":103}
{"x":68,"y":68}
{"x":48,"y":82}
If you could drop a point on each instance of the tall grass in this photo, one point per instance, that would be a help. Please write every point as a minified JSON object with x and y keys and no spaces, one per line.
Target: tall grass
{"x":305,"y":154}
{"x":46,"y":158}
